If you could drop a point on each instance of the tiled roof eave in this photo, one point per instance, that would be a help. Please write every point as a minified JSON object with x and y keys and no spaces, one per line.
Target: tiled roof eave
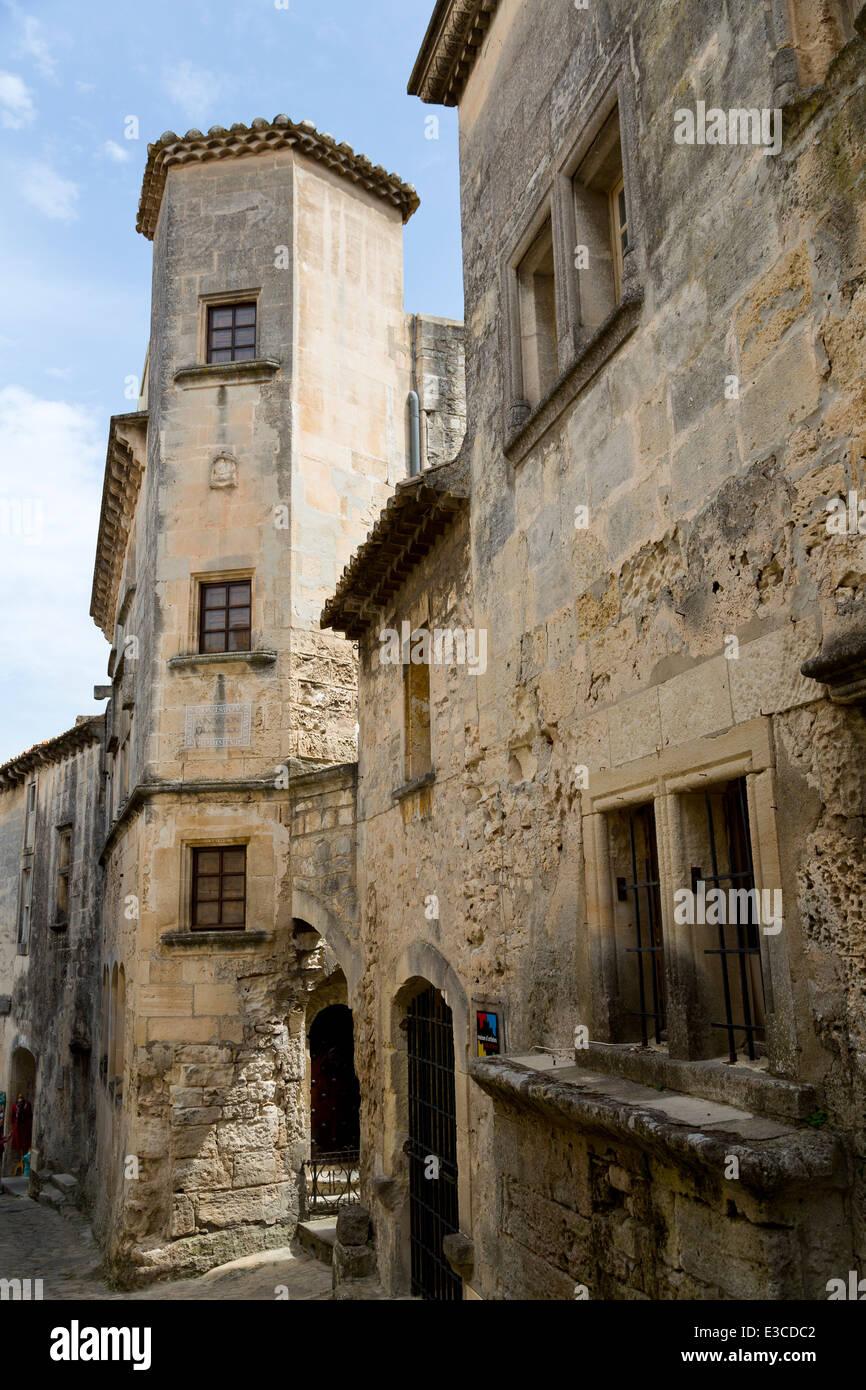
{"x":120,"y":492}
{"x":407,"y":529}
{"x":261,"y":137}
{"x":54,"y":750}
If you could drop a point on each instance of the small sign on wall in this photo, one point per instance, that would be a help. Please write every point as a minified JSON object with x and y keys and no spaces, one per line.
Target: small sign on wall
{"x":489,"y":1029}
{"x":217,"y":726}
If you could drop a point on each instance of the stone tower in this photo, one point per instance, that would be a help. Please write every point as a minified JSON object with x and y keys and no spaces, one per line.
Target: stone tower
{"x":271,"y":428}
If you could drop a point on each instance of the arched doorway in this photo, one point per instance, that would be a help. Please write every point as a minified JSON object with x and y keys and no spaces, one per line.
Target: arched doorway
{"x":22,"y":1081}
{"x":335,"y":1096}
{"x":432,"y":1145}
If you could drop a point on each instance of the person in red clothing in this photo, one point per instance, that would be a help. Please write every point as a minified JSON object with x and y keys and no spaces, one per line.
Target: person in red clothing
{"x":21,"y":1116}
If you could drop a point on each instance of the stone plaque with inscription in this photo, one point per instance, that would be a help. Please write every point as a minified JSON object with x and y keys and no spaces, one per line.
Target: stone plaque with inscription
{"x":217,"y":726}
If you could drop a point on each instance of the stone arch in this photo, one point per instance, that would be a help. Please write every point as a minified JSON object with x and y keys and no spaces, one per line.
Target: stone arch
{"x":309,"y":909}
{"x":421,"y":964}
{"x":22,"y":1077}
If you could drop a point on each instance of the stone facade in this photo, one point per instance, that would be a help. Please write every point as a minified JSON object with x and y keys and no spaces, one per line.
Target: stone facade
{"x":645,"y":672}
{"x":647,"y":552}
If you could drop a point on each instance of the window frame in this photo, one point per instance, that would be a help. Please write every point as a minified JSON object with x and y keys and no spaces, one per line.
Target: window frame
{"x":225,"y":299}
{"x":63,"y":874}
{"x":664,"y":779}
{"x":221,"y":849}
{"x":233,"y":308}
{"x":205,"y":585}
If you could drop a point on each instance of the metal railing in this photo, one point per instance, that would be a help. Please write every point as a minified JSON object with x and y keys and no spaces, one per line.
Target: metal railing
{"x":331,"y":1181}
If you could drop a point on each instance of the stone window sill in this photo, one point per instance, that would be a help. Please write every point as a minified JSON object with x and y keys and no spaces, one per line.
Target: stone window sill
{"x":195,"y":659}
{"x":700,"y":1133}
{"x":220,"y":939}
{"x":591,"y":357}
{"x":425,"y":780}
{"x":228,"y":373}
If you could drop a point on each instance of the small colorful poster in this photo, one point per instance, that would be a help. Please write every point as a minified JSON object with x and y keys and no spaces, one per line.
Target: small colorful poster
{"x":488,"y":1033}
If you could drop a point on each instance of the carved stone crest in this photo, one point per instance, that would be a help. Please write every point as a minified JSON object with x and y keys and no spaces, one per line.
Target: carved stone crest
{"x":224,"y":471}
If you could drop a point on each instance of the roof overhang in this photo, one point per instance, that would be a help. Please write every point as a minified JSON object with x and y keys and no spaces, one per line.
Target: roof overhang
{"x":449,"y":50}
{"x":54,"y":750}
{"x":408,"y":527}
{"x":262,"y":137}
{"x":124,"y":466}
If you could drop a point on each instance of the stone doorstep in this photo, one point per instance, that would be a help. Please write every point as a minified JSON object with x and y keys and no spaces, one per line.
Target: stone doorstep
{"x":15,"y":1187}
{"x":673,"y":1126}
{"x":318,"y":1237}
{"x":64,"y":1182}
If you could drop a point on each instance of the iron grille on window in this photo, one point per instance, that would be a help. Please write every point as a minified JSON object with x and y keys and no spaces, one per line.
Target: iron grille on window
{"x":219,"y":886}
{"x":739,"y":948}
{"x":225,"y":617}
{"x":643,"y":889}
{"x":231,"y":333}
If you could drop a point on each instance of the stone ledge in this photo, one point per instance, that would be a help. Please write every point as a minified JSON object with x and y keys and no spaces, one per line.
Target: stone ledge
{"x":226,"y":939}
{"x":841,"y":665}
{"x":746,"y":1086}
{"x":425,"y":780}
{"x":670,"y":1126}
{"x":591,"y":357}
{"x":228,"y":373}
{"x":263,"y":657}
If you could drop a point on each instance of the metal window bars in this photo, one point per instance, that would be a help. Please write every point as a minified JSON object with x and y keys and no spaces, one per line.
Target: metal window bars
{"x":649,"y":945}
{"x":432,"y":1146}
{"x":740,"y":874}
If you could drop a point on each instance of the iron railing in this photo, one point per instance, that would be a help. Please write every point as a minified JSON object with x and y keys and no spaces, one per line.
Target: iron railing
{"x":331,"y":1181}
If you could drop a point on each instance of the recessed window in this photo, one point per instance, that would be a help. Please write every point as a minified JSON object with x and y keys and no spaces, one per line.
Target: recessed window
{"x":219,"y":886}
{"x":24,"y":907}
{"x":536,"y":288}
{"x":225,"y":617}
{"x":638,"y":924}
{"x":601,"y":225}
{"x":30,"y":821}
{"x":416,"y":693}
{"x":231,"y":332}
{"x":64,"y":861}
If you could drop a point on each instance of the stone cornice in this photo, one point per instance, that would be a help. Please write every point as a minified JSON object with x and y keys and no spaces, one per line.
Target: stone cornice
{"x":54,"y":750}
{"x":449,"y":49}
{"x":123,"y":472}
{"x":841,"y":665}
{"x":262,"y":137}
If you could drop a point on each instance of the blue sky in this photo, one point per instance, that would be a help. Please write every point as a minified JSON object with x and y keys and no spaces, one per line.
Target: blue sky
{"x":75,"y":275}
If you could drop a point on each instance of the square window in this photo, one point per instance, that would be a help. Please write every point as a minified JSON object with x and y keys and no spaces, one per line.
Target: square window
{"x":219,"y":896}
{"x":231,"y":333}
{"x":224,"y":622}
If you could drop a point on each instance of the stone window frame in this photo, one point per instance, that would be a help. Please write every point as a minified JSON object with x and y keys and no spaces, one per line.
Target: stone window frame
{"x":63,"y":872}
{"x":225,"y":299}
{"x":662,"y":779}
{"x":582,"y":351}
{"x":218,"y":576}
{"x":221,"y":840}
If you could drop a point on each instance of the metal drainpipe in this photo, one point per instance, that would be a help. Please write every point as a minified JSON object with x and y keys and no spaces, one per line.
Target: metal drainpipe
{"x":414,"y":411}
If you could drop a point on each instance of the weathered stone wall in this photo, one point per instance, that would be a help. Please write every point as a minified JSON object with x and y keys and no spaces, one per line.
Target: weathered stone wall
{"x":655,"y":635}
{"x":53,"y":982}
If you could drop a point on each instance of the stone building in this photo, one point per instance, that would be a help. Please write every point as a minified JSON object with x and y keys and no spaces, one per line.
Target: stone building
{"x":633,"y":834}
{"x":50,"y":838}
{"x":583,"y":893}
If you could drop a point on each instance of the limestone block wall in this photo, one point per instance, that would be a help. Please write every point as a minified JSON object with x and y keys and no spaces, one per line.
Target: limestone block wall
{"x":53,"y":1010}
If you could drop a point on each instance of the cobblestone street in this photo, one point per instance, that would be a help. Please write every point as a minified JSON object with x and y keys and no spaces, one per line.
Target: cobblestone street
{"x":38,"y":1243}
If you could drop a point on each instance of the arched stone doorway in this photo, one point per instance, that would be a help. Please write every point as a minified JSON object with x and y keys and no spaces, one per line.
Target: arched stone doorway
{"x":432,"y":1143}
{"x":22,"y":1081}
{"x":335,"y":1096}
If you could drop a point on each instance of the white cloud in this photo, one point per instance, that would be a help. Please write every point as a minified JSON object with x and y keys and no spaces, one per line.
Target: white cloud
{"x":48,"y":191}
{"x":16,"y":102}
{"x":193,"y":89}
{"x":112,"y":150}
{"x":32,"y":44}
{"x":51,"y":654}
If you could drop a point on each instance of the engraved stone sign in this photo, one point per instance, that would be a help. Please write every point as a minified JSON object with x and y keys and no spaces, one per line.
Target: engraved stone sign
{"x":217,"y":726}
